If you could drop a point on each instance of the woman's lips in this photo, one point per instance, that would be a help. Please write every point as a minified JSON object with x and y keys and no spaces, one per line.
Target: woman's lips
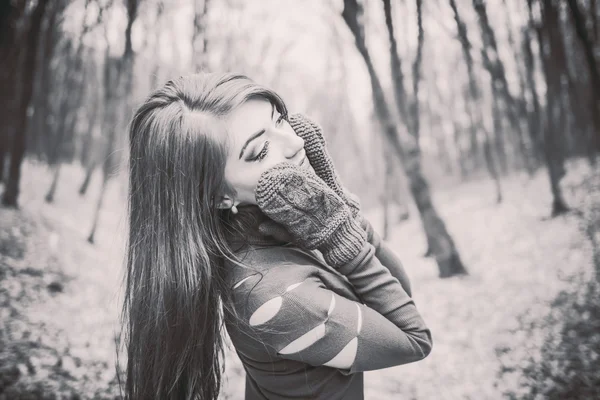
{"x":303,"y":160}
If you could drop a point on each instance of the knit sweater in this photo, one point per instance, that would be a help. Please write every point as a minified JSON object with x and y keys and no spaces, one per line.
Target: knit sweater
{"x":296,"y":315}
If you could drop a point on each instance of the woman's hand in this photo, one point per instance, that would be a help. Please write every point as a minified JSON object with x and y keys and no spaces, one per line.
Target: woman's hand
{"x":314,"y":215}
{"x":318,"y":156}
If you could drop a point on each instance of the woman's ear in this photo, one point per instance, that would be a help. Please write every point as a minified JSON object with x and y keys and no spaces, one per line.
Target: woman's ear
{"x":224,"y":203}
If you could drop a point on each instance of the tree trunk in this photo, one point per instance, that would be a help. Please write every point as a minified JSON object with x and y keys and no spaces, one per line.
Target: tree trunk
{"x":407,"y":108}
{"x":396,"y":68}
{"x":91,"y":237}
{"x":10,"y":54}
{"x":88,"y":176}
{"x":387,"y":194}
{"x":67,"y":117}
{"x":2,"y":161}
{"x":498,"y":141}
{"x":199,"y":37}
{"x":474,"y":128}
{"x":87,"y":155}
{"x":415,"y":110}
{"x":446,"y":255}
{"x":555,"y":171}
{"x":588,"y":50}
{"x":50,"y":195}
{"x":113,"y":71}
{"x":462,"y":167}
{"x":535,"y":124}
{"x":491,"y":165}
{"x":493,"y":64}
{"x":42,"y":88}
{"x":117,"y":86}
{"x":475,"y":99}
{"x":549,"y":38}
{"x":132,"y":13}
{"x":472,"y":97}
{"x":521,"y":101}
{"x":11,"y":193}
{"x":594,"y":16}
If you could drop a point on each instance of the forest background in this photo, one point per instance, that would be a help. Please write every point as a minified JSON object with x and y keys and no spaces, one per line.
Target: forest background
{"x":470,"y":130}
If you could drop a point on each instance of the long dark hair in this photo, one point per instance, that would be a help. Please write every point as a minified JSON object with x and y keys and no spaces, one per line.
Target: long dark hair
{"x":175,"y":280}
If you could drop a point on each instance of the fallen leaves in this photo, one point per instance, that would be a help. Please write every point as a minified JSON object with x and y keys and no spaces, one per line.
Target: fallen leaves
{"x":519,"y":262}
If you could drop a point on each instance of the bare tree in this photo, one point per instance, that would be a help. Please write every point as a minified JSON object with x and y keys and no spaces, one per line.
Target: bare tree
{"x":200,"y":38}
{"x":408,"y":109}
{"x":70,"y":100}
{"x":118,"y":82}
{"x":72,"y":94}
{"x":405,"y":146}
{"x":10,"y":37}
{"x":387,"y":194}
{"x":493,"y":64}
{"x":535,"y":122}
{"x":30,"y":50}
{"x":594,"y":72}
{"x":473,"y":101}
{"x":89,"y":154}
{"x":416,"y":71}
{"x":552,"y":54}
{"x":157,"y":32}
{"x":41,"y":124}
{"x":396,"y":67}
{"x":520,"y":100}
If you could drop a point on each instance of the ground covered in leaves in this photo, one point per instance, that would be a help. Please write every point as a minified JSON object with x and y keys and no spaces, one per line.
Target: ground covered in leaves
{"x":493,"y":330}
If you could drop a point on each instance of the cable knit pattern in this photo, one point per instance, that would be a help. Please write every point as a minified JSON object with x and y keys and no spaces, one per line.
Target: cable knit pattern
{"x":353,"y":238}
{"x":315,"y":216}
{"x":316,"y":151}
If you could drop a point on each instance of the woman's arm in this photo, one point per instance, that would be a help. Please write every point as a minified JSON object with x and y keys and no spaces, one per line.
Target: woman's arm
{"x":299,"y":318}
{"x":386,"y":255}
{"x":388,"y":331}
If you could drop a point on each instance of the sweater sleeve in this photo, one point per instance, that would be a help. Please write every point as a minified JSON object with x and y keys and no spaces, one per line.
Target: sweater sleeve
{"x":297,"y":317}
{"x":386,"y":256}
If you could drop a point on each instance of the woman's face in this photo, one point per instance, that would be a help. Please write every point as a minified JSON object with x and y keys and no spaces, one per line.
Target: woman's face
{"x":259,"y":138}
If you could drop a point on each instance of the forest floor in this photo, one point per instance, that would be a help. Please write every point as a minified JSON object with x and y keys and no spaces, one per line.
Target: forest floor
{"x":60,"y":295}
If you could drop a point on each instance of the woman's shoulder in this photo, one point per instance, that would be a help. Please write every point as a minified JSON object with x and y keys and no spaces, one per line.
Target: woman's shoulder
{"x":273,"y":265}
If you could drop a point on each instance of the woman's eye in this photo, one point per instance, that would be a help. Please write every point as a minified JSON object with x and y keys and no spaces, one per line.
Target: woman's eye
{"x":262,"y":153}
{"x":280,"y":120}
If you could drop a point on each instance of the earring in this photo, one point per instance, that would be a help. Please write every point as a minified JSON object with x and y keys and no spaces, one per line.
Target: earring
{"x":234,"y":209}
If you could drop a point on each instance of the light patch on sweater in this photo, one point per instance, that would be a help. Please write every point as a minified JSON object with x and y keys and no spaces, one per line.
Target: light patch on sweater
{"x":331,"y":305}
{"x":360,"y":321}
{"x":310,"y":337}
{"x":237,"y":285}
{"x":346,"y":356}
{"x":265,"y":312}
{"x":294,"y":286}
{"x":305,"y":340}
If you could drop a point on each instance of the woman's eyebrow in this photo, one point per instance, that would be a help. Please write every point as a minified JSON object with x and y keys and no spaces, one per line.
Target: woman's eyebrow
{"x":256,"y":135}
{"x":251,"y":138}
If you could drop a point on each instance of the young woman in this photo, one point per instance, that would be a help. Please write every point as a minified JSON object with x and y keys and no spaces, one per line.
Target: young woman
{"x":238,"y":220}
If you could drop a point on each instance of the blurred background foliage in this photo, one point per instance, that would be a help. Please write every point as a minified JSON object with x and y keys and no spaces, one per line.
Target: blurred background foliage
{"x":411,"y":94}
{"x":487,"y":88}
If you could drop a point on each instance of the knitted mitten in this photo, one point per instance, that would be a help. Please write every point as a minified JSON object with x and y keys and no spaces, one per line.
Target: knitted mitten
{"x":314,"y":215}
{"x":316,"y":151}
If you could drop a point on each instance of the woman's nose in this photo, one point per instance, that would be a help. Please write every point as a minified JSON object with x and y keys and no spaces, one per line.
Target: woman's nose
{"x":290,"y":143}
{"x":295,"y":144}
